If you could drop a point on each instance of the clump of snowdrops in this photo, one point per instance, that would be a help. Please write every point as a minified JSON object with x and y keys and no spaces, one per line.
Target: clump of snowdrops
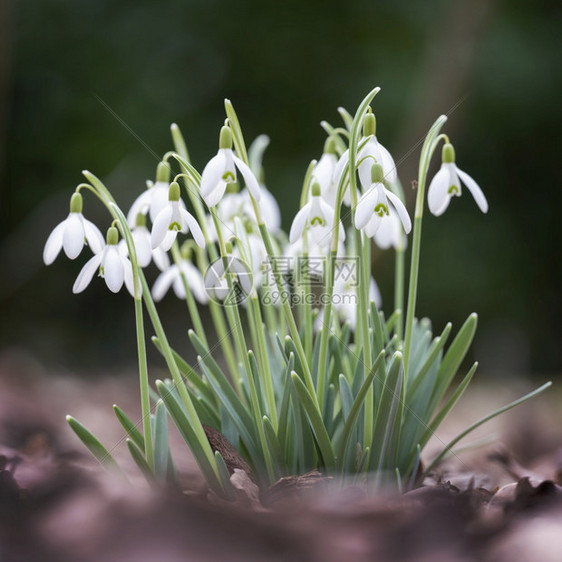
{"x":304,"y":369}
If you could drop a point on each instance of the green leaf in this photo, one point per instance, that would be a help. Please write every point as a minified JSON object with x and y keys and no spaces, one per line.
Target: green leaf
{"x":184,"y":426}
{"x":102,"y":455}
{"x":315,"y":420}
{"x":161,"y":450}
{"x":128,"y":425}
{"x":483,"y":420}
{"x":350,"y":423}
{"x":140,"y":461}
{"x":452,"y":360}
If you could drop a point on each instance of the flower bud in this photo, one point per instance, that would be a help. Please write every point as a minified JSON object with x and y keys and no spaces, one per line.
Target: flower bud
{"x":163,"y":172}
{"x":369,"y":125}
{"x":448,"y":154}
{"x":225,"y":139}
{"x":112,"y":236}
{"x":174,"y":191}
{"x":76,"y":203}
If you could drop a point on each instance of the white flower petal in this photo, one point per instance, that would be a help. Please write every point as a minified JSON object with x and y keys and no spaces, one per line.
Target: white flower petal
{"x":163,"y":282}
{"x":215,"y":195}
{"x":93,"y":236}
{"x":158,"y":198}
{"x":113,"y":269}
{"x":143,"y":248}
{"x":400,"y":209}
{"x":196,"y":282}
{"x":474,"y":188}
{"x":249,"y":178}
{"x":374,"y":293}
{"x":140,"y":205}
{"x":194,"y":228}
{"x":87,"y":272}
{"x":161,"y":226}
{"x":299,"y":223}
{"x":373,"y":225}
{"x":129,"y":279}
{"x":437,"y":194}
{"x":388,"y":165}
{"x":341,"y":167}
{"x":73,"y":236}
{"x":367,"y":157}
{"x":270,"y":210}
{"x":54,"y":243}
{"x":212,"y":173}
{"x":161,"y":259}
{"x":366,"y":207}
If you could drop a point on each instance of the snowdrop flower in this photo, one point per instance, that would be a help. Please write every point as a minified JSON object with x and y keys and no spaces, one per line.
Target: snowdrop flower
{"x":173,"y":218}
{"x":318,"y":216}
{"x":71,"y":233}
{"x":323,"y":172}
{"x":153,"y":199}
{"x":447,"y":183}
{"x":221,"y":170}
{"x":345,"y":299}
{"x":271,"y":214}
{"x":172,"y":277}
{"x":373,"y":151}
{"x":143,"y":247}
{"x":112,"y":266}
{"x":373,"y":207}
{"x":390,"y":232}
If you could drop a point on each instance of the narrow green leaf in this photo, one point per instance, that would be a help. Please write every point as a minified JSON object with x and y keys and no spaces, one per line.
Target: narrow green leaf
{"x":128,"y":425}
{"x":190,"y":437}
{"x":228,"y":492}
{"x":102,"y":455}
{"x":161,"y":450}
{"x":350,"y":423}
{"x":140,"y":461}
{"x":315,"y":420}
{"x":483,"y":420}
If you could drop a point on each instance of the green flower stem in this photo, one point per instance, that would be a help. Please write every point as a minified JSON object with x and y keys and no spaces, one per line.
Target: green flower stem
{"x":329,"y":285}
{"x":399,"y":266}
{"x":286,"y":307}
{"x":109,"y":202}
{"x":241,"y":345}
{"x":144,"y":386}
{"x":427,"y":151}
{"x":177,"y":378}
{"x":261,"y":348}
{"x":191,"y":304}
{"x":155,"y":319}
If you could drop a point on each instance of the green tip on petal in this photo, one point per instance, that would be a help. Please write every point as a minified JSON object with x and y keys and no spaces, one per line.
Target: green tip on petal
{"x":140,"y":220}
{"x":448,"y":154}
{"x":174,"y":191}
{"x":228,"y":247}
{"x":315,"y":190}
{"x":76,"y":203}
{"x":225,"y":140}
{"x":330,"y":146}
{"x":163,"y":172}
{"x":377,"y":175}
{"x":112,"y":236}
{"x":369,"y":125}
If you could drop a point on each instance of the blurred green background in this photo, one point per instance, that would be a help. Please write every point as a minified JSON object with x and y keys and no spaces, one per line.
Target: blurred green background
{"x":286,"y":66}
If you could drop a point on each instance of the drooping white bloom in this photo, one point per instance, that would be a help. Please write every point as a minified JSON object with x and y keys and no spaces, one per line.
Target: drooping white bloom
{"x":345,"y":299}
{"x":447,"y":183}
{"x":153,"y":199}
{"x":390,"y":233}
{"x":71,"y":233}
{"x":111,"y":265}
{"x":221,"y":170}
{"x":318,"y":217}
{"x":373,"y":207}
{"x":173,"y":277}
{"x":269,"y":207}
{"x":323,"y":172}
{"x":372,"y":152}
{"x":173,"y":218}
{"x":143,"y":247}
